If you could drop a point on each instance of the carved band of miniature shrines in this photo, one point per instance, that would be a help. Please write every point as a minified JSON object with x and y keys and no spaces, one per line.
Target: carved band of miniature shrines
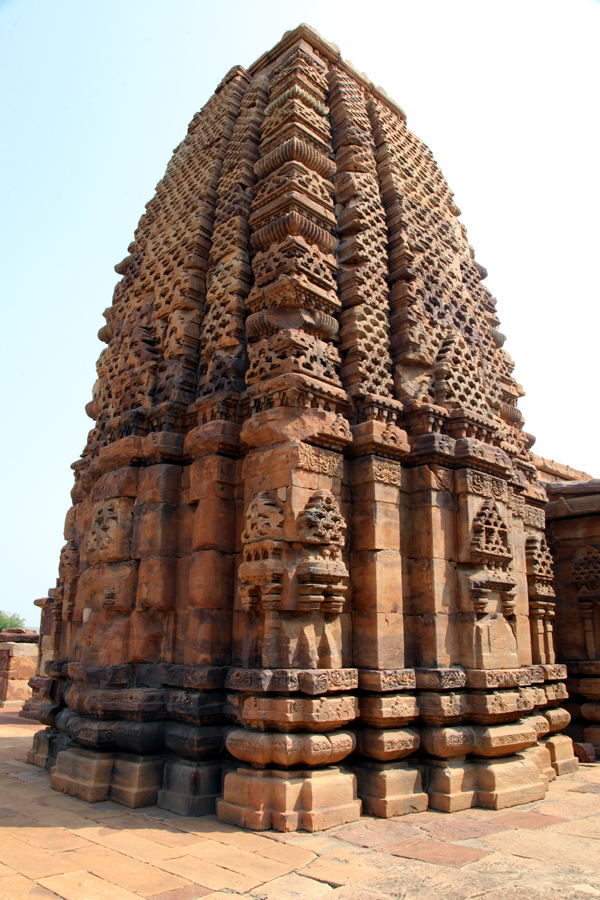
{"x":161,"y":346}
{"x":362,"y":249}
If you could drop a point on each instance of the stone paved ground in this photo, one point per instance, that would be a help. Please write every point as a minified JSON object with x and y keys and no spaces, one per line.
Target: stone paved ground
{"x":53,"y":846}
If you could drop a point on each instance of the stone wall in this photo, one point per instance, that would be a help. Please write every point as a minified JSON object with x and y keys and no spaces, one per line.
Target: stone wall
{"x":573,"y":515}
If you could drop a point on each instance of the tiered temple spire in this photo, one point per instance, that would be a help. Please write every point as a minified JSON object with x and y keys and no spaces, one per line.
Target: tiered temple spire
{"x":306,"y":547}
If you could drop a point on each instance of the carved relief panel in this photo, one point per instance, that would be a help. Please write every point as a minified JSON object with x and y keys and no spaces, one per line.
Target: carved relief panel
{"x":292,"y":578}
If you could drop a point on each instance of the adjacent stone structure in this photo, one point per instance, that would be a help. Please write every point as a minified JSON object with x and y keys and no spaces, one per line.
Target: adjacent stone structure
{"x":18,"y":661}
{"x":41,"y":688}
{"x":573,"y":516}
{"x":305,"y":564}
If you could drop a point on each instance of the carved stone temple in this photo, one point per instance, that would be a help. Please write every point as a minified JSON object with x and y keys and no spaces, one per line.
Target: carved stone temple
{"x":573,"y":522}
{"x":305,"y":569}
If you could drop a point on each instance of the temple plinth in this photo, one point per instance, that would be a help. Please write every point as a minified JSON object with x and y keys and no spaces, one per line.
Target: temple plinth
{"x":306,"y":568}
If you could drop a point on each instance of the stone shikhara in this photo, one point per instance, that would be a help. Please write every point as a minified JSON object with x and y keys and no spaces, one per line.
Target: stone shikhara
{"x":305,"y":566}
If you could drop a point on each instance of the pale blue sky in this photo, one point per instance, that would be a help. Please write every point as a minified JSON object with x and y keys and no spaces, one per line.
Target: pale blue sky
{"x":95,"y":95}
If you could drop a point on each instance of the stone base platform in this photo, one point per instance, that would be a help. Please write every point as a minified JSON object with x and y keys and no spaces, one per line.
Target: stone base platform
{"x":190,"y":788}
{"x":591,"y":734}
{"x":289,"y":800}
{"x":461,"y":783}
{"x":390,"y":789}
{"x":94,"y":776}
{"x":562,"y":757}
{"x":297,"y":798}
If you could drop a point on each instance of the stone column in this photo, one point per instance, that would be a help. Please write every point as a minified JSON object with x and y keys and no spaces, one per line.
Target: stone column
{"x":384,"y":637}
{"x":292,"y":636}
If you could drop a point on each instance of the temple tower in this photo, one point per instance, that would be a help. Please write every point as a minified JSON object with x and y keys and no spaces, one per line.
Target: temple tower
{"x":306,"y":552}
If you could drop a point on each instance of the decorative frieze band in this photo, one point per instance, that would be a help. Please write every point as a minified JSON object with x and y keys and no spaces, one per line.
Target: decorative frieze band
{"x":387,"y":471}
{"x":486,"y":485}
{"x":315,"y":459}
{"x":387,"y":679}
{"x":310,"y":681}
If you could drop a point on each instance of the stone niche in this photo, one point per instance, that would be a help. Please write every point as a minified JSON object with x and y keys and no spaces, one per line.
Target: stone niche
{"x":305,"y":570}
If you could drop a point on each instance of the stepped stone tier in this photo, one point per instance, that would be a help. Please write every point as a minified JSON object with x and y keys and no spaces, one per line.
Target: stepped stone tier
{"x":305,"y":566}
{"x":573,"y":522}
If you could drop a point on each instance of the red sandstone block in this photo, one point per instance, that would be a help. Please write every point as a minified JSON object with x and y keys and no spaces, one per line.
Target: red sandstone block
{"x":375,"y":526}
{"x":121,"y":483}
{"x":120,"y":579}
{"x":185,"y":523}
{"x":14,"y":690}
{"x":378,"y":640}
{"x":160,"y":484}
{"x":208,"y":639}
{"x":24,"y":667}
{"x":146,"y":636}
{"x":215,"y":525}
{"x":531,"y":820}
{"x":433,"y":586}
{"x":433,"y":532}
{"x":377,"y":581}
{"x":157,"y":582}
{"x":121,"y":453}
{"x":212,"y":476}
{"x":584,"y":752}
{"x":109,"y":537}
{"x":156,"y":530}
{"x":69,"y":529}
{"x":211,"y":580}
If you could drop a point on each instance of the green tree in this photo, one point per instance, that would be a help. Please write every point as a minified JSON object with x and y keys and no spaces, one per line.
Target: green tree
{"x":10,"y":620}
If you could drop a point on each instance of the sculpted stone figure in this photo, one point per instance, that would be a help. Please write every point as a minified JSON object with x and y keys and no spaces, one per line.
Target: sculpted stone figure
{"x":305,"y":570}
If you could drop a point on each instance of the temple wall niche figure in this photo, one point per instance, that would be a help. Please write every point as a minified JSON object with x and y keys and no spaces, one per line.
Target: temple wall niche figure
{"x":305,"y":570}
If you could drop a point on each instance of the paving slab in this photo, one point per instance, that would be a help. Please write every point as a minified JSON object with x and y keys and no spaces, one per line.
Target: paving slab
{"x":17,"y":887}
{"x":529,"y":820}
{"x":192,"y":892}
{"x":452,"y":829}
{"x":80,"y":884}
{"x":293,"y":887}
{"x":121,"y":870}
{"x":572,"y":850}
{"x":439,"y":852}
{"x":376,"y":832}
